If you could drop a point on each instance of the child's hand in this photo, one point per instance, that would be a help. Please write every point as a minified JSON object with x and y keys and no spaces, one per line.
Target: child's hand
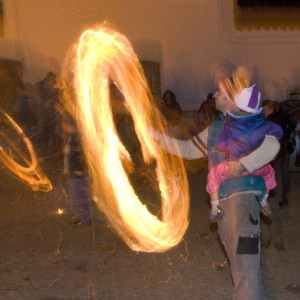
{"x":235,"y":169}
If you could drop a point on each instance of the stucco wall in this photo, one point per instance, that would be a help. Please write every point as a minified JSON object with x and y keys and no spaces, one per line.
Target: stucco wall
{"x":190,"y":38}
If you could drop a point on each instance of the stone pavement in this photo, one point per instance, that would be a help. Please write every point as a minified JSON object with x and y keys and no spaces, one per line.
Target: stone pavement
{"x":44,"y":256}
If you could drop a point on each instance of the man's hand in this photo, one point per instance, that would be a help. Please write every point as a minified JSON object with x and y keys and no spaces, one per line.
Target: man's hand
{"x":235,"y":169}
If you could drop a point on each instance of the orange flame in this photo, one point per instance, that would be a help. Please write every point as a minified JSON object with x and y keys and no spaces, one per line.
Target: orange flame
{"x":59,"y":211}
{"x":31,"y":174}
{"x":103,"y":55}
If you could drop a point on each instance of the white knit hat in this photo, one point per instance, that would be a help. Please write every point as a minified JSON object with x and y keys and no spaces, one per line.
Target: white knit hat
{"x":248,"y":99}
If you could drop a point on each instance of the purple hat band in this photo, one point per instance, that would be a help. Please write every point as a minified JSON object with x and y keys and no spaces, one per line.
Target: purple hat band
{"x":254,"y":97}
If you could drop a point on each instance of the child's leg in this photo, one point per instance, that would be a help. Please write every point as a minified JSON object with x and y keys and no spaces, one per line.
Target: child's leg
{"x":214,"y":178}
{"x":265,"y":200}
{"x":265,"y":206}
{"x":214,"y":200}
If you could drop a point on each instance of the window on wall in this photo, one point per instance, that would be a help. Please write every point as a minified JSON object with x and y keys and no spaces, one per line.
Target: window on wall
{"x":235,"y":26}
{"x":1,"y":20}
{"x":266,"y":15}
{"x":269,"y":3}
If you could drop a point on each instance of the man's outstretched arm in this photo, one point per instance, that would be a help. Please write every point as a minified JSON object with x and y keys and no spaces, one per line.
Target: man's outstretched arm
{"x":193,"y":148}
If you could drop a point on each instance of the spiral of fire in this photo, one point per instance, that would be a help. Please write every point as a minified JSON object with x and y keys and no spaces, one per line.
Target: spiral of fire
{"x":26,"y":168}
{"x":104,"y":55}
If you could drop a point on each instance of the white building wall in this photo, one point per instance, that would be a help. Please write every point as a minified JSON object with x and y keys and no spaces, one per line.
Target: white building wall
{"x":190,"y":38}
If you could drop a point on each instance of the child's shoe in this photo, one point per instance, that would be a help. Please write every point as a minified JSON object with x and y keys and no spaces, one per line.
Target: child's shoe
{"x":265,"y":209}
{"x":215,"y":214}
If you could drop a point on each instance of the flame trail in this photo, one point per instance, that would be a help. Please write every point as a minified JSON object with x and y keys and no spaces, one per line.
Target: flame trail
{"x":30,"y":173}
{"x":103,"y":55}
